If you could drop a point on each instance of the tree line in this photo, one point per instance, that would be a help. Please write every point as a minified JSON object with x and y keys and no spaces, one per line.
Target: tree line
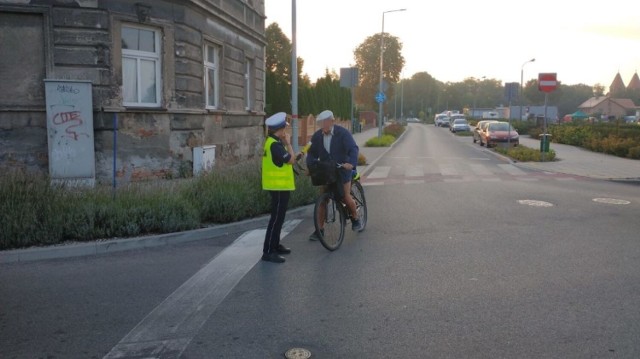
{"x":420,"y":96}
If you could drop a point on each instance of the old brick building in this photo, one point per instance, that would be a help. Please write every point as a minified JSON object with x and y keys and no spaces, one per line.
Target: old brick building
{"x":175,"y":74}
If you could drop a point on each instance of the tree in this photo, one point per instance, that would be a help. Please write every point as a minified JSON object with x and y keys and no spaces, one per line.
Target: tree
{"x":367,"y":57}
{"x":598,"y":90}
{"x":278,"y":71}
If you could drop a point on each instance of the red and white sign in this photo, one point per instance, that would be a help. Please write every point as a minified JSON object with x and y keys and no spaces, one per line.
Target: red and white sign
{"x":547,"y":82}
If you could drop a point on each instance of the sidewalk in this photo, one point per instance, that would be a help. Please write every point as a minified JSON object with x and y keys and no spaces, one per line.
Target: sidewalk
{"x":578,"y":161}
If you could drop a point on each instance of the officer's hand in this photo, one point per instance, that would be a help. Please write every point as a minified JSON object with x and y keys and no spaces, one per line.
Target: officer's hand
{"x":347,"y":166}
{"x":286,"y":138}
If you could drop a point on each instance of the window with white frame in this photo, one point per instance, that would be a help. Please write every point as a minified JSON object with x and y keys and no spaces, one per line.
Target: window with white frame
{"x":247,"y":85}
{"x":141,"y":66}
{"x":211,"y":74}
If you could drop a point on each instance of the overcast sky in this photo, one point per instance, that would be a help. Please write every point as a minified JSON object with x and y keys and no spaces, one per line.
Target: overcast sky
{"x":583,"y":42}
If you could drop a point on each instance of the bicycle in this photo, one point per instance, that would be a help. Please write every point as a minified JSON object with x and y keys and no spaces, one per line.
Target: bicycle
{"x":331,"y":230}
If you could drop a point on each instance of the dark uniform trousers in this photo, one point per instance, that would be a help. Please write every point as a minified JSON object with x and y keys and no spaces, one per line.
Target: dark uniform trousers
{"x":279,"y":203}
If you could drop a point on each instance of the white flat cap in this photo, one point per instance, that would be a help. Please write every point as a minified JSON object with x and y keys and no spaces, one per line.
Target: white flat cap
{"x":276,"y":121}
{"x":324,"y":115}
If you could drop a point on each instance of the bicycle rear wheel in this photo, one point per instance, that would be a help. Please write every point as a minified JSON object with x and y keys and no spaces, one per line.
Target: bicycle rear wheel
{"x":357,"y":192}
{"x":329,"y":219}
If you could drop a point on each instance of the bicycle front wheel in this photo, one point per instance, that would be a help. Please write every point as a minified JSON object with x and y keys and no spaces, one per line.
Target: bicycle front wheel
{"x":329,"y":219}
{"x":357,"y":192}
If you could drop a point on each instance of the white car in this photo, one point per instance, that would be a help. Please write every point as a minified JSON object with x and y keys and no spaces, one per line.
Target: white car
{"x":460,"y":125}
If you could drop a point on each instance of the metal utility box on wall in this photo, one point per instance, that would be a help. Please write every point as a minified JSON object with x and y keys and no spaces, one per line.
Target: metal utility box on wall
{"x":204,"y":158}
{"x":70,"y":132}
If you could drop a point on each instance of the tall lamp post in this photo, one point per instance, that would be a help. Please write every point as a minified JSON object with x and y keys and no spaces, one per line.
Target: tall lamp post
{"x":380,"y":86}
{"x":521,"y":78}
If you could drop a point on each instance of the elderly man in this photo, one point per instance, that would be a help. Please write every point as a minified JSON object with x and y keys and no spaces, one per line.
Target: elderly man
{"x":335,"y":143}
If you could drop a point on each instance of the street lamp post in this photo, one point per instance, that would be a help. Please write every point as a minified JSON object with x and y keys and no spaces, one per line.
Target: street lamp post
{"x":380,"y":103}
{"x":521,"y":78}
{"x":473,"y":112}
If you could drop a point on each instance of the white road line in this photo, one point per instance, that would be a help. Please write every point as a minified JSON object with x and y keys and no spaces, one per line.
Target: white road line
{"x":512,"y":170}
{"x":414,"y":171}
{"x":367,"y":183}
{"x":414,"y":181}
{"x":379,"y":172}
{"x":481,"y":170}
{"x":448,"y":170}
{"x":169,"y":328}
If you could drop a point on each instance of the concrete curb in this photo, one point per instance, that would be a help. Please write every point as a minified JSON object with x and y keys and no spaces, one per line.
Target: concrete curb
{"x":119,"y":245}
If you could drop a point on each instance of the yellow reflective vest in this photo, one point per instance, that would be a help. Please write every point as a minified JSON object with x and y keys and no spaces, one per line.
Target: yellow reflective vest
{"x":275,"y":178}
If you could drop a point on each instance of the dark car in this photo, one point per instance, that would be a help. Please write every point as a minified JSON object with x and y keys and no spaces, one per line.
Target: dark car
{"x":499,"y":133}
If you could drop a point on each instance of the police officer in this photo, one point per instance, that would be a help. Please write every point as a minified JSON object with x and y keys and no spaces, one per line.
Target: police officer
{"x":277,"y":178}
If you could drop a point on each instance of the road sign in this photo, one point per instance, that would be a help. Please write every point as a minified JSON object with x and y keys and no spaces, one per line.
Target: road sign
{"x":380,"y":97}
{"x":547,"y":82}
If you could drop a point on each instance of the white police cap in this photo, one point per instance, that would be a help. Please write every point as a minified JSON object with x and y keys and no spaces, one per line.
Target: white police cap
{"x":325,"y":115}
{"x":276,"y":121}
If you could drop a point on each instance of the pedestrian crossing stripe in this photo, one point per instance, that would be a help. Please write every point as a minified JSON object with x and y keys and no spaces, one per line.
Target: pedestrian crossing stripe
{"x":457,"y":173}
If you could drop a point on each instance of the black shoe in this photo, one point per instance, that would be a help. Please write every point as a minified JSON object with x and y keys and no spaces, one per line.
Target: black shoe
{"x":273,"y":257}
{"x":283,"y":250}
{"x":357,"y":225}
{"x":315,"y":236}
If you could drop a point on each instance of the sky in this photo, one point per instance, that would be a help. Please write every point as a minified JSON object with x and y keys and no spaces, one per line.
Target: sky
{"x":586,"y":42}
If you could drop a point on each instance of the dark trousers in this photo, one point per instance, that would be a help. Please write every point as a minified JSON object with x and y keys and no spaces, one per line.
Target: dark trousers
{"x":279,"y":203}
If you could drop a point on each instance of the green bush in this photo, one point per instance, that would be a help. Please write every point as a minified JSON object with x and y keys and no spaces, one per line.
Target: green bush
{"x":384,"y":141}
{"x":526,"y":154}
{"x":32,"y":212}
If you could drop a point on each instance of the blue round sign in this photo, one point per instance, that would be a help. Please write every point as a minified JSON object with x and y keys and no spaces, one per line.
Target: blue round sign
{"x":380,"y":97}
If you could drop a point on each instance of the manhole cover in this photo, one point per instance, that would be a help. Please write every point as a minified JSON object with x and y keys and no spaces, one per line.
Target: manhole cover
{"x":297,"y":353}
{"x":611,"y":201}
{"x":533,"y":203}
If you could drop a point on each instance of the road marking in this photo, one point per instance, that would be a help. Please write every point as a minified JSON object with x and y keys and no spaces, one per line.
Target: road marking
{"x":414,"y":181}
{"x":448,"y":170}
{"x":481,"y":170}
{"x":512,"y":170}
{"x":169,"y":328}
{"x":414,"y":171}
{"x":379,"y":172}
{"x":611,"y":201}
{"x":535,"y":203}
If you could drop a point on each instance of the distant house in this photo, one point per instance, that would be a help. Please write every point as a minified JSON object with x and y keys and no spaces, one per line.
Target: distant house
{"x":607,"y":107}
{"x":177,"y":75}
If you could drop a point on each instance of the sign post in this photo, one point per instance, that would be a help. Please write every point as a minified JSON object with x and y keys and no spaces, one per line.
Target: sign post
{"x":349,"y":79}
{"x":547,"y":83}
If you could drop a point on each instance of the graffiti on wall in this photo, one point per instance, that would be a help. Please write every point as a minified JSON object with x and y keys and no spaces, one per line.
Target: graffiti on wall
{"x":70,"y":129}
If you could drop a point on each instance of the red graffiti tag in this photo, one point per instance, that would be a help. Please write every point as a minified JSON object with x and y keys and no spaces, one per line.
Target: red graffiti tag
{"x":73,"y":119}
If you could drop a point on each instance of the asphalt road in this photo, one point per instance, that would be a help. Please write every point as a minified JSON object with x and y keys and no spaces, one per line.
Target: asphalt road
{"x":464,"y":256}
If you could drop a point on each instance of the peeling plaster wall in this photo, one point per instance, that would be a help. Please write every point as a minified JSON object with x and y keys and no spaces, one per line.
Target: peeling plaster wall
{"x":78,"y":40}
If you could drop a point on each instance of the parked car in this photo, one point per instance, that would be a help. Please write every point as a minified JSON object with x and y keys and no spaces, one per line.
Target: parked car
{"x":454,"y":117}
{"x":460,"y":125}
{"x":442,"y":120}
{"x":480,"y":127}
{"x":499,"y":133}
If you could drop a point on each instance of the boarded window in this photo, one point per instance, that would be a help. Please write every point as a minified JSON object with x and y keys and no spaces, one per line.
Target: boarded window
{"x":22,"y":63}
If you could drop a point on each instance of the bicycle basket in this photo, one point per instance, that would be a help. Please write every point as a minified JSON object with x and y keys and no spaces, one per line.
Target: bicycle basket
{"x":323,"y":173}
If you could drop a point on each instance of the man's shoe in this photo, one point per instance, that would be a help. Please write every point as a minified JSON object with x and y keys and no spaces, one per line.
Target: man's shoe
{"x":282,"y":249}
{"x":315,"y":236}
{"x":357,"y":225}
{"x":273,"y":257}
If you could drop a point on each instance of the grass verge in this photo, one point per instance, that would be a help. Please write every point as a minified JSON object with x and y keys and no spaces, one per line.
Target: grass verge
{"x":526,"y":154}
{"x":34,"y":213}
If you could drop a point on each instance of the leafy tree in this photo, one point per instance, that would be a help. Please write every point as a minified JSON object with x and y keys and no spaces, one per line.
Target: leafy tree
{"x":367,"y":57}
{"x":598,"y":90}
